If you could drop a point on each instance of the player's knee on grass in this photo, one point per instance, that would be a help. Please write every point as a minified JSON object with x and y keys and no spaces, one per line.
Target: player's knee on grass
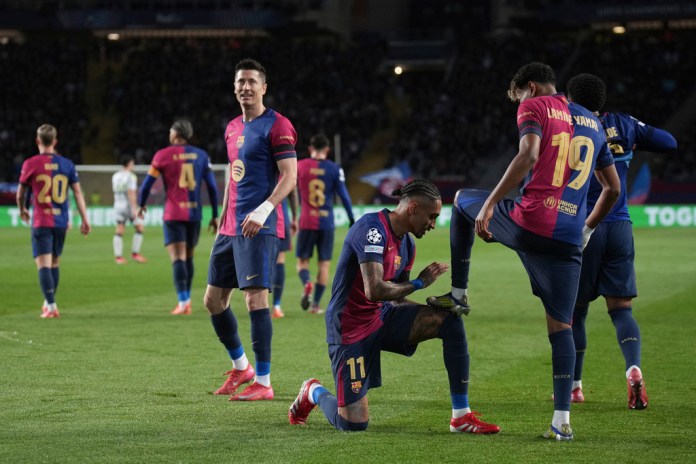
{"x":347,"y":426}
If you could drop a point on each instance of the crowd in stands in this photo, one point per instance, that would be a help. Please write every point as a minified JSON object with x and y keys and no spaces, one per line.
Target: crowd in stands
{"x":458,"y":121}
{"x":323,"y":86}
{"x":451,"y":124}
{"x":41,"y":81}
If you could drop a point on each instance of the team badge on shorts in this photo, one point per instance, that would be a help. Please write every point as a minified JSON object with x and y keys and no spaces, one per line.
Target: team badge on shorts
{"x":356,"y":386}
{"x":373,"y":236}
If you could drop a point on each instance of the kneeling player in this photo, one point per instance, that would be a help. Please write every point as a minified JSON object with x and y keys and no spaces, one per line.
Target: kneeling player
{"x":370,"y":314}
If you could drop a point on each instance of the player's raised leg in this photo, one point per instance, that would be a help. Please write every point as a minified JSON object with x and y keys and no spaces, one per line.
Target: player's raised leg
{"x":466,"y":205}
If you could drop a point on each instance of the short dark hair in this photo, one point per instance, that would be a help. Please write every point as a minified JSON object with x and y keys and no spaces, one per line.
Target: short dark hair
{"x":319,"y":141}
{"x":47,"y":134}
{"x":251,"y":65}
{"x":531,"y":72}
{"x":125,"y":160}
{"x":418,"y":188}
{"x":587,"y":90}
{"x":184,"y":128}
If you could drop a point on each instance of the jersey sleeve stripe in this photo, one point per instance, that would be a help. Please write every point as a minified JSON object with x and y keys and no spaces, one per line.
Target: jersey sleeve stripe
{"x":282,"y":148}
{"x":530,"y":127}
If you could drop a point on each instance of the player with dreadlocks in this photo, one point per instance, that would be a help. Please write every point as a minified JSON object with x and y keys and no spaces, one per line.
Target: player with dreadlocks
{"x":368,"y":313}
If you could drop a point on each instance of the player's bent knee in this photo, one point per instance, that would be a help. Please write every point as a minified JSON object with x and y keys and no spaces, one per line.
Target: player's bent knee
{"x":347,"y":426}
{"x":452,"y":330}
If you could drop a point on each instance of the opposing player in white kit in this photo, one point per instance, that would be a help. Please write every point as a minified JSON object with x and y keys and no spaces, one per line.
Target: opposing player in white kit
{"x":125,"y":187}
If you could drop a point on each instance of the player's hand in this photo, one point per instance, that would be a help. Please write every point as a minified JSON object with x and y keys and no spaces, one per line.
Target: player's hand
{"x":294,"y":227}
{"x":250,"y":228}
{"x":254,"y":221}
{"x":213,"y":225}
{"x":431,"y":272}
{"x":85,"y":228}
{"x":24,"y":214}
{"x":482,"y":220}
{"x":141,"y":212}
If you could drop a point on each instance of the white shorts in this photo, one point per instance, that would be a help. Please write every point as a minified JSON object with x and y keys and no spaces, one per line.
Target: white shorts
{"x":124,"y":215}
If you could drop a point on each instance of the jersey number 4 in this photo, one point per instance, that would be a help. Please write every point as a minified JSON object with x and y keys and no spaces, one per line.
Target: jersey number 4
{"x":187,"y":178}
{"x":58,"y":185}
{"x":570,"y":153}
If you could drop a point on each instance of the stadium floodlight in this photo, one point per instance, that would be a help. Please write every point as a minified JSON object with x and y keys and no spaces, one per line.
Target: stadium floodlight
{"x":398,"y":70}
{"x":618,"y":30}
{"x":113,"y":36}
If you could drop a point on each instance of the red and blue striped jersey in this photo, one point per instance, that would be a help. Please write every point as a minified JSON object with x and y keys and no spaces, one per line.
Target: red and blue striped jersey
{"x":253,"y":150}
{"x":350,"y":316}
{"x":554,"y":194}
{"x":318,"y":182}
{"x":183,"y":169}
{"x":49,"y":175}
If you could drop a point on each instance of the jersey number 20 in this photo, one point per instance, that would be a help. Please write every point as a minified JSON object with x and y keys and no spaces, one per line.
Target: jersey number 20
{"x":58,"y":185}
{"x":570,"y":152}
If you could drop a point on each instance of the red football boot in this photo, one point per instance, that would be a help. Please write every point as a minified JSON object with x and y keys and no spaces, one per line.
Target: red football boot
{"x":302,"y":406}
{"x":470,"y":423}
{"x":236,"y":378}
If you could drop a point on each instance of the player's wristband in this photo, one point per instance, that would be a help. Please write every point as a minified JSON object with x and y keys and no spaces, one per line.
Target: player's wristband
{"x":417,"y":284}
{"x":260,"y":214}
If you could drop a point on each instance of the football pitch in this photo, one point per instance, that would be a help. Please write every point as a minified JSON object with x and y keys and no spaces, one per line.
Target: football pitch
{"x":118,"y":379}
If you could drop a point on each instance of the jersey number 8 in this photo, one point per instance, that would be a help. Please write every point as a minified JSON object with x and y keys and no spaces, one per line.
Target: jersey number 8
{"x":570,"y":153}
{"x":317,"y":198}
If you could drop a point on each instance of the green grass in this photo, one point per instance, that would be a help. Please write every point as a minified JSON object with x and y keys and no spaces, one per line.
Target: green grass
{"x":117,"y":379}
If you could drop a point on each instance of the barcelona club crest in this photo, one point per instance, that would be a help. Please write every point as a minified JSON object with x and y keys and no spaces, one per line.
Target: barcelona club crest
{"x":397,"y":261}
{"x":240,"y":141}
{"x":356,"y":386}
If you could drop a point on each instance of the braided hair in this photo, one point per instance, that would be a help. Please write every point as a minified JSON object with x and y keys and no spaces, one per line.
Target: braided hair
{"x":418,"y":188}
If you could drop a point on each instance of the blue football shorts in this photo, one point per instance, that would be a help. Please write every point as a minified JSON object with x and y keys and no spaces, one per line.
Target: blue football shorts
{"x":607,"y":263}
{"x":47,"y":240}
{"x":357,"y":367}
{"x":182,"y":231}
{"x":553,"y":266}
{"x":240,"y":262}
{"x":322,"y":238}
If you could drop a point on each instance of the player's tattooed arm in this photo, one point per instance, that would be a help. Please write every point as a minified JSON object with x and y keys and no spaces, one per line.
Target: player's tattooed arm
{"x":377,"y":289}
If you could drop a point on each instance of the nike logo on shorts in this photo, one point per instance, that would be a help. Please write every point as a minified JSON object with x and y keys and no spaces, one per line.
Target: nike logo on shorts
{"x":249,"y":277}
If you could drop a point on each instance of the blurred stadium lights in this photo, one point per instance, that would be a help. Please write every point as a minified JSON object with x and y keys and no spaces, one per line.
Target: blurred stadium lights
{"x":122,"y":34}
{"x":8,"y":35}
{"x":618,"y":30}
{"x":398,"y":70}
